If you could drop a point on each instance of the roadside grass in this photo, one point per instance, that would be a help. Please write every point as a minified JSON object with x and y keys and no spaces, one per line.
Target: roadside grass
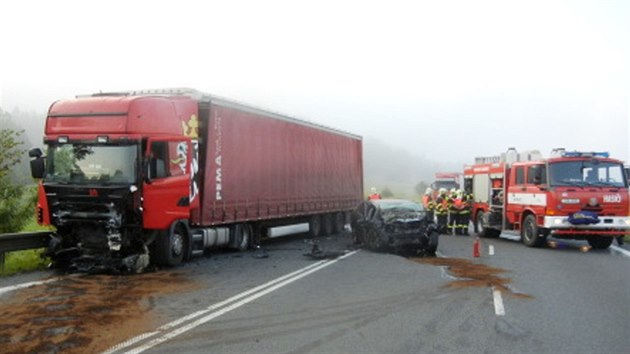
{"x":27,"y":260}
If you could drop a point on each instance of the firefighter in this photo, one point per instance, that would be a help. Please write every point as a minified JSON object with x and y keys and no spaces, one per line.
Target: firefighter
{"x":429,"y":203}
{"x":467,"y":200}
{"x":452,"y":210}
{"x":441,"y":210}
{"x":374,"y":194}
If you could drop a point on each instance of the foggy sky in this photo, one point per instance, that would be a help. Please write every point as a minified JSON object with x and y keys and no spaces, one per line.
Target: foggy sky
{"x":443,"y":80}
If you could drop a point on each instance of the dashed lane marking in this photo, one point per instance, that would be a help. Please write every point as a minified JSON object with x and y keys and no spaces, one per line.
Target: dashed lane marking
{"x":499,"y":310}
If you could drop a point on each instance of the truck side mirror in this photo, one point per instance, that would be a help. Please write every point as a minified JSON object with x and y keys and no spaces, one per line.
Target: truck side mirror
{"x":35,"y":152}
{"x":37,"y":162}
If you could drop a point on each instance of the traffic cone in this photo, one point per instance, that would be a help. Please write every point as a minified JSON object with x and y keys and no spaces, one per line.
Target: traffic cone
{"x":476,"y":248}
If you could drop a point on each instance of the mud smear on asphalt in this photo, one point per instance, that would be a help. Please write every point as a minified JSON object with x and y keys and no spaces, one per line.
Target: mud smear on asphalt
{"x":86,"y":314}
{"x":471,"y":274}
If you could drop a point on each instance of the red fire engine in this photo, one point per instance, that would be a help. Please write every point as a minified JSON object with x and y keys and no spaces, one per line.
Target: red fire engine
{"x":573,"y":195}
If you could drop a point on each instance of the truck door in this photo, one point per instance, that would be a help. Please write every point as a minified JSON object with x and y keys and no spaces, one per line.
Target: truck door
{"x":166,"y":181}
{"x":517,"y":196}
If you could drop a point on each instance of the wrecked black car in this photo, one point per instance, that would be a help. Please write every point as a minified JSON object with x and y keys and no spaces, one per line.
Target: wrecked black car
{"x":401,"y":226}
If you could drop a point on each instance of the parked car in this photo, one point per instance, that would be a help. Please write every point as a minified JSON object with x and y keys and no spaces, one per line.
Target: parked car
{"x":394,"y":225}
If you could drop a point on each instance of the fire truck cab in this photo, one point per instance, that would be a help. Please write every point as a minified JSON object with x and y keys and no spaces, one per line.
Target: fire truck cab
{"x":574,"y":195}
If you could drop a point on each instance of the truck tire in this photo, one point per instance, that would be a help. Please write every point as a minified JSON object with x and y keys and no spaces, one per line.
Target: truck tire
{"x":327,"y":224}
{"x":314,"y":226}
{"x":599,"y":242}
{"x":169,"y":247}
{"x":339,"y":222}
{"x":530,"y":235}
{"x":483,"y":231}
{"x":242,"y":235}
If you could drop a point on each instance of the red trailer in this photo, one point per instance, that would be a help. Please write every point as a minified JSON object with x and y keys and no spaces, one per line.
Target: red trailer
{"x":169,"y":173}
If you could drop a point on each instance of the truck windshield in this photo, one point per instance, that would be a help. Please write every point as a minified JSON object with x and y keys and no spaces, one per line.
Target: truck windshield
{"x":89,"y":164}
{"x":587,"y":173}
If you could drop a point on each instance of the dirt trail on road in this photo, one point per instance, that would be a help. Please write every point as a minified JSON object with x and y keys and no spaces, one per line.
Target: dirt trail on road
{"x":84,"y":314}
{"x":472,"y":274}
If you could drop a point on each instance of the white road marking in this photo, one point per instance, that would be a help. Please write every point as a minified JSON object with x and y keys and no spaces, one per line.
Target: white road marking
{"x":252,"y":294}
{"x":499,"y":310}
{"x":491,"y":250}
{"x":7,"y":289}
{"x":620,"y":250}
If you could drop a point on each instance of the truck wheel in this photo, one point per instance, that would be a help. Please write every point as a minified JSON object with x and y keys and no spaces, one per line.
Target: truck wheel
{"x":483,"y":231}
{"x":169,"y":249}
{"x":327,"y":224}
{"x":241,"y":237}
{"x":339,"y":222}
{"x":599,"y":242}
{"x":314,"y":226}
{"x":530,"y":235}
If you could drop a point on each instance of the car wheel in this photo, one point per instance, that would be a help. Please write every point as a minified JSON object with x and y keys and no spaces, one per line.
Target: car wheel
{"x":374,"y":240}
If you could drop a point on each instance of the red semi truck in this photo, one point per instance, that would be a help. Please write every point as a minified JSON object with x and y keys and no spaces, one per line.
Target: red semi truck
{"x":571,"y":194}
{"x":161,"y":175}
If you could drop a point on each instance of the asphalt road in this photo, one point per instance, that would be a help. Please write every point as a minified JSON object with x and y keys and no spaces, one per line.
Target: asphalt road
{"x":558,"y":300}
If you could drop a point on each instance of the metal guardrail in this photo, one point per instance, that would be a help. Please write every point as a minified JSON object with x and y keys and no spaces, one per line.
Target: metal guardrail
{"x":22,"y":241}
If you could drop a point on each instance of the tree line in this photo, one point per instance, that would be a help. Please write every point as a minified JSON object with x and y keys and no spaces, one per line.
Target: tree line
{"x":18,"y":195}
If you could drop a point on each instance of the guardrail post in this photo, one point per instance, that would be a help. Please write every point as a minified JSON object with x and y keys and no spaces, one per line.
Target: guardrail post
{"x":1,"y":262}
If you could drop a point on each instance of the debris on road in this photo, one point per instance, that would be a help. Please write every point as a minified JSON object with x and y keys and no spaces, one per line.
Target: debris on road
{"x":317,"y":253}
{"x":83,"y":314}
{"x":472,"y":274}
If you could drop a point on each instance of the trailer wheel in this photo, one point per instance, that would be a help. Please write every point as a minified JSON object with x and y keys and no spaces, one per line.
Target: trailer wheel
{"x":327,"y":224}
{"x":599,"y":242}
{"x":339,"y":222}
{"x":169,"y":248}
{"x":242,"y":237}
{"x":530,"y":235}
{"x":314,"y":226}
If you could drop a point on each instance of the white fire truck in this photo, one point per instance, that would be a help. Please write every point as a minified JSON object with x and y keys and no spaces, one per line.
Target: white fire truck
{"x":573,"y":195}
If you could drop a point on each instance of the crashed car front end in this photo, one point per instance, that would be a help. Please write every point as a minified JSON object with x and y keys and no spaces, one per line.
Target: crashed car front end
{"x":395,"y":225}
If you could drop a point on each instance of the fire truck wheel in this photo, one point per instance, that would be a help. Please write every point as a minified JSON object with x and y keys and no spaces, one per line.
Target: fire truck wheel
{"x":483,"y":231}
{"x":530,"y":236}
{"x":314,"y":226}
{"x":599,"y":242}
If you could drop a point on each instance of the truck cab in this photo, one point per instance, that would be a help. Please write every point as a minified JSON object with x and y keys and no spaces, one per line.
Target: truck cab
{"x":117,"y":172}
